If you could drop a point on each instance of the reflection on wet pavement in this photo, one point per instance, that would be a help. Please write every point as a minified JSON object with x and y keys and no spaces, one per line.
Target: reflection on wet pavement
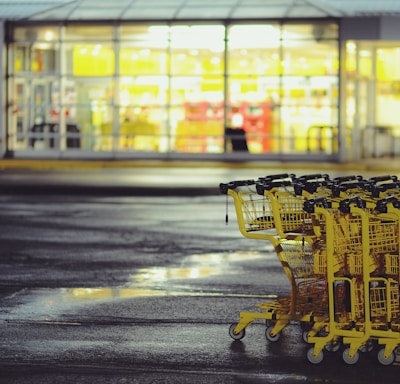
{"x":152,"y":281}
{"x":193,"y":267}
{"x":48,"y":304}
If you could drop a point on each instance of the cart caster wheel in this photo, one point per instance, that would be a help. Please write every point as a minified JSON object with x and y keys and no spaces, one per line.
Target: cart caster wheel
{"x":332,"y":347}
{"x":314,"y":359}
{"x":385,"y":361}
{"x":350,"y":360}
{"x":271,"y":338}
{"x":368,"y":347}
{"x":305,"y":336}
{"x":236,"y":336}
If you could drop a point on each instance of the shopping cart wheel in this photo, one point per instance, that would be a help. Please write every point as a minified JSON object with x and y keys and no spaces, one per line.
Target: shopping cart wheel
{"x":269,"y":336}
{"x":350,"y":360}
{"x":314,"y":359}
{"x":236,"y":336}
{"x":368,"y":347}
{"x":385,"y":361}
{"x":332,"y":346}
{"x":305,"y":336}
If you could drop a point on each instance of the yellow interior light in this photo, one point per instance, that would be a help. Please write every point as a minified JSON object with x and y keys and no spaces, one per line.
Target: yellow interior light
{"x":48,"y":35}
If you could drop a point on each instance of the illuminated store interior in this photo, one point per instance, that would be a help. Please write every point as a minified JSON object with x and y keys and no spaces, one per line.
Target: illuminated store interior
{"x":253,"y":90}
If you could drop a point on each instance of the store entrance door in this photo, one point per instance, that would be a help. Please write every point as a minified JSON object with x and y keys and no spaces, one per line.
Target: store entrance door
{"x":31,"y":116}
{"x":372,"y":99}
{"x":44,"y":128}
{"x":359,"y":97}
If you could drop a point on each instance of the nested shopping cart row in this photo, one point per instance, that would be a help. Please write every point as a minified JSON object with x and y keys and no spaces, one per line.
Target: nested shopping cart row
{"x":338,"y":244}
{"x":361,"y":268}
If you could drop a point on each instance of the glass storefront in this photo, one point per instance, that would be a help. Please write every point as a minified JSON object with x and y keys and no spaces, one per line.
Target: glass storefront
{"x":135,"y":89}
{"x":372,"y":98}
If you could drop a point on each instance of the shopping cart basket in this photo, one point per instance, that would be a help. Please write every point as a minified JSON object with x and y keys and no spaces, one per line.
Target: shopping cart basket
{"x":372,"y":309}
{"x":277,"y":216}
{"x":338,"y":244}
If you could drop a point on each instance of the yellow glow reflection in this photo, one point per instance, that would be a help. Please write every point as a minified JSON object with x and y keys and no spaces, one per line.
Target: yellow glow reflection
{"x":145,"y":281}
{"x":100,"y":294}
{"x":194,"y":267}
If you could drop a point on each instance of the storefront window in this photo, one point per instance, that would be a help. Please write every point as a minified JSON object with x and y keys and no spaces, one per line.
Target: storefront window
{"x":387,"y":133}
{"x":142,"y":61}
{"x":253,"y":83}
{"x":197,"y":49}
{"x":309,"y":58}
{"x":88,"y":105}
{"x":254,"y":49}
{"x":144,"y":128}
{"x":36,"y":49}
{"x":90,"y":59}
{"x":143,"y":91}
{"x":309,"y":50}
{"x":144,"y":50}
{"x":298,"y":89}
{"x":197,"y":127}
{"x":310,"y":64}
{"x":37,"y":58}
{"x":371,"y":98}
{"x":197,"y":88}
{"x":198,"y":114}
{"x":178,"y":87}
{"x":310,"y":112}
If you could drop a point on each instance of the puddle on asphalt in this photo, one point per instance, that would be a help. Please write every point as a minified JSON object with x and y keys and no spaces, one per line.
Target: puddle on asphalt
{"x":151,"y":281}
{"x":45,"y":304}
{"x":193,"y":267}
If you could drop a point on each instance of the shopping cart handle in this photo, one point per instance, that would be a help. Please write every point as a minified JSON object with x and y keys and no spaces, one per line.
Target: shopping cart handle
{"x":343,"y":179}
{"x":337,"y":188}
{"x":314,"y":176}
{"x":377,"y":189}
{"x":224,"y":187}
{"x":310,"y":187}
{"x":378,"y":179}
{"x":381,"y":205}
{"x":262,"y":186}
{"x":309,"y":205}
{"x":278,"y":176}
{"x":298,"y":189}
{"x":344,"y":205}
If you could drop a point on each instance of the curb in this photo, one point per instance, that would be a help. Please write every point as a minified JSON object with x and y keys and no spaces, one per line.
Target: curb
{"x":29,"y":164}
{"x":106,"y":191}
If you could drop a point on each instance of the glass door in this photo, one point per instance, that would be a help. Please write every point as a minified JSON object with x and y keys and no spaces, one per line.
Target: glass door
{"x":359,"y":102}
{"x":19,"y":117}
{"x":372,"y":99}
{"x":387,"y":104}
{"x":43,"y":120}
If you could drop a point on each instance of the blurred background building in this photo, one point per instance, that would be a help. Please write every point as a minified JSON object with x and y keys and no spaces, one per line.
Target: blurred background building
{"x":200,"y":79}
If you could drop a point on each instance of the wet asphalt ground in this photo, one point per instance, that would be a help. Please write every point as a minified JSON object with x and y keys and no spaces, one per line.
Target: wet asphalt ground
{"x":109,"y":287}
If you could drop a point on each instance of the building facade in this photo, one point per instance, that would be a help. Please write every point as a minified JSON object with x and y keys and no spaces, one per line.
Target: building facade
{"x":318,"y":89}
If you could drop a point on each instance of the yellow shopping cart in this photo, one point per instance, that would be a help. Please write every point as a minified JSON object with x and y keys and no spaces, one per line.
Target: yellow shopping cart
{"x":338,"y":244}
